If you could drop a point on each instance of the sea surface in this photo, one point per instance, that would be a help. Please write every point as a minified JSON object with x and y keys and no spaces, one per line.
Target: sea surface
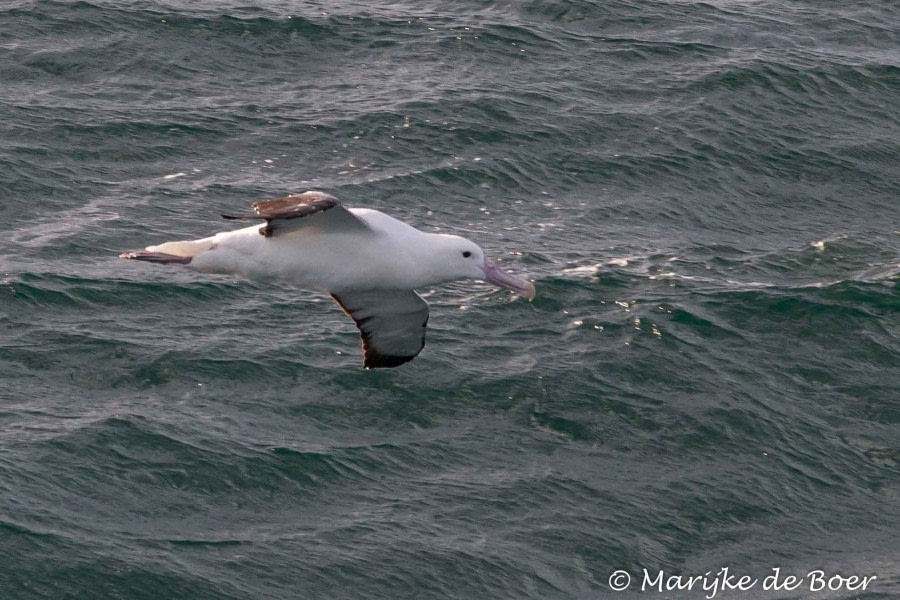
{"x":706,"y":194}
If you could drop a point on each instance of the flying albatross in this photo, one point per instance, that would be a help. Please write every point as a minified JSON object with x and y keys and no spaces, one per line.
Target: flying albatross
{"x":369,"y":262}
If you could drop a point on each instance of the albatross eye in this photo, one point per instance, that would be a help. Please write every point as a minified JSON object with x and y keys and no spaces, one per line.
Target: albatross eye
{"x":467,"y":254}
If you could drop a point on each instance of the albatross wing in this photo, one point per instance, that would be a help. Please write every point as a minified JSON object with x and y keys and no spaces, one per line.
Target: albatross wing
{"x":391,"y":323}
{"x":309,"y":209}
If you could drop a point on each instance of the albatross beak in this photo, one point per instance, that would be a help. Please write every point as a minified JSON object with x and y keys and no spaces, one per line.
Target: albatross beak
{"x":493,"y":274}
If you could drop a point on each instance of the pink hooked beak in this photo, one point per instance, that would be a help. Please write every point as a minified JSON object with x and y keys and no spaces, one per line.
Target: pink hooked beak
{"x":494,"y":274}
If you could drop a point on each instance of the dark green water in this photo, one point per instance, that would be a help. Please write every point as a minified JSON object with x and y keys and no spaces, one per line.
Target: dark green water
{"x":706,"y":195}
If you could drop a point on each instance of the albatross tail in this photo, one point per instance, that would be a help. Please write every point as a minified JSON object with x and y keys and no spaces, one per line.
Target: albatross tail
{"x":181,"y":253}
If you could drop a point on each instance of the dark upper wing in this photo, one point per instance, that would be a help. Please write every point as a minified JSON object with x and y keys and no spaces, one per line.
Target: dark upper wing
{"x":309,"y":209}
{"x":391,"y":323}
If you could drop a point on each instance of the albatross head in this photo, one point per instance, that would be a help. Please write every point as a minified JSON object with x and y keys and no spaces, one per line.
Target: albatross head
{"x":459,"y":258}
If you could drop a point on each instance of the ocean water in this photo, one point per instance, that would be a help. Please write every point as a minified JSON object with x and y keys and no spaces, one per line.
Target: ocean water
{"x":705,"y":194}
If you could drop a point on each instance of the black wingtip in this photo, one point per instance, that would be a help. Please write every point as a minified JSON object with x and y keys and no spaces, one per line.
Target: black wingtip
{"x":384,"y":361}
{"x":156,"y":257}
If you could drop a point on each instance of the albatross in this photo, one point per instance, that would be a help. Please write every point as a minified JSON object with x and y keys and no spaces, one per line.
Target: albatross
{"x":370,"y":263}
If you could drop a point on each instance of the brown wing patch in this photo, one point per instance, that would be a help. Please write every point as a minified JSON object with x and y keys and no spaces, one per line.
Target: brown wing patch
{"x":386,"y":344}
{"x":289,"y":207}
{"x":294,"y":207}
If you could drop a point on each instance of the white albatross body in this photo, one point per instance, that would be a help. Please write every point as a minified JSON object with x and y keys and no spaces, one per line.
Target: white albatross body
{"x":389,"y":255}
{"x":369,"y":262}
